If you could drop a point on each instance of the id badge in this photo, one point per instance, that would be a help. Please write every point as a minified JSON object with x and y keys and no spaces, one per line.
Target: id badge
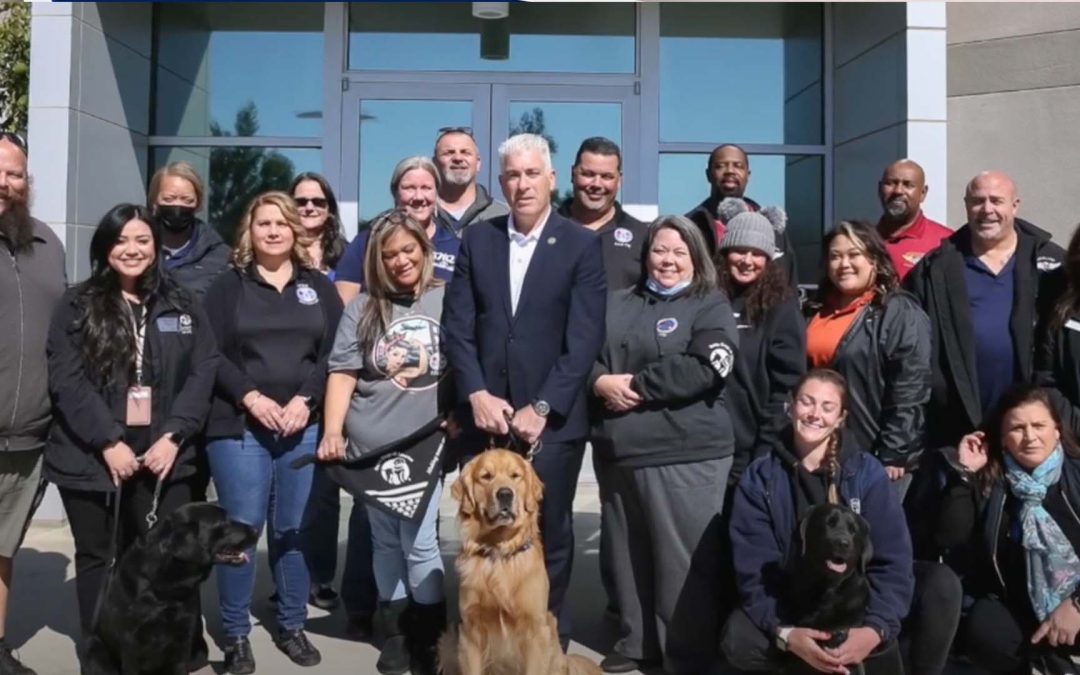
{"x":138,"y":406}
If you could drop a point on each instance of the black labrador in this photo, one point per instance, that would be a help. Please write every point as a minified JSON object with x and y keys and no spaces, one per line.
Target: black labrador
{"x":147,"y":614}
{"x":829,"y":584}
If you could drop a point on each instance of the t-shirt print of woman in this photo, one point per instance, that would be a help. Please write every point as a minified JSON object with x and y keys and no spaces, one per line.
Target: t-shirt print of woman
{"x":410,"y":354}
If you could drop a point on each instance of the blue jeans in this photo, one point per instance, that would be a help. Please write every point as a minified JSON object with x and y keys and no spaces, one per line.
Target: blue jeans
{"x":406,"y":555}
{"x":255,"y":483}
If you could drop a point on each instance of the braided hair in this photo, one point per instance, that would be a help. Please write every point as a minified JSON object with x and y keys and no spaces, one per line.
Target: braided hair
{"x":831,"y":461}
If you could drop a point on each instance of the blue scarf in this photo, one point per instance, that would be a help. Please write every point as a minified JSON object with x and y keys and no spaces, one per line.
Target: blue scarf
{"x":656,"y":288}
{"x":1053,"y":570}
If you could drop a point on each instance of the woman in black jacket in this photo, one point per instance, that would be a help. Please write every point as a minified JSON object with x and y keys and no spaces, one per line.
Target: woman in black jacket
{"x":274,"y":317}
{"x":1016,"y":501}
{"x":1057,"y":356}
{"x":131,"y":369}
{"x":661,"y":430}
{"x":878,"y":338}
{"x":772,"y":333}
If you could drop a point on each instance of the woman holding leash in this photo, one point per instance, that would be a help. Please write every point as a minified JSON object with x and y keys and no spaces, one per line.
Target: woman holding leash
{"x":387,"y":372}
{"x":1016,"y":500}
{"x":814,"y":462}
{"x":274,"y":316}
{"x":663,"y":435}
{"x":131,"y":369}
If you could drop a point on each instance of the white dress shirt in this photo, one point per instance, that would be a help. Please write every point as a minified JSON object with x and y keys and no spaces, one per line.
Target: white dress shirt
{"x":522,"y":248}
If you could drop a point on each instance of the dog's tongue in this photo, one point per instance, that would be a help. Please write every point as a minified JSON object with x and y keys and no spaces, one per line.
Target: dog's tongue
{"x":838,"y":567}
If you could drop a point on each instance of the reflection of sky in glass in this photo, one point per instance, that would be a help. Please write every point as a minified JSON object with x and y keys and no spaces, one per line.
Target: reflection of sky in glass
{"x":280,"y":72}
{"x":683,"y":184}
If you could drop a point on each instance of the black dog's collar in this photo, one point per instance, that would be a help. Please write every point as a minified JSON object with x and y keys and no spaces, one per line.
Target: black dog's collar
{"x":490,"y":552}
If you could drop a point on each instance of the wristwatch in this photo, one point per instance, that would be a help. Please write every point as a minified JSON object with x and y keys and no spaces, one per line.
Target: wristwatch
{"x":309,"y":401}
{"x":541,"y":408}
{"x":176,"y":437}
{"x":782,"y":635}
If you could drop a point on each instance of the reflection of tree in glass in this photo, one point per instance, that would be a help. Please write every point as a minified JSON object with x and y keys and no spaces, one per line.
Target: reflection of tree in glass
{"x":532,"y":122}
{"x":237,"y":175}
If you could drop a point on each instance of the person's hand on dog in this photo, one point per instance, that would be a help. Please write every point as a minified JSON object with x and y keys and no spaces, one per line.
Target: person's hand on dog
{"x":490,"y":412}
{"x":527,"y":424}
{"x":294,"y":417}
{"x":161,"y":457}
{"x":1061,"y":626}
{"x":803,"y":642}
{"x":616,"y":392}
{"x":121,"y":461}
{"x":971,"y":453}
{"x":264,"y":410}
{"x":895,"y":472}
{"x":860,"y":642}
{"x":331,"y":447}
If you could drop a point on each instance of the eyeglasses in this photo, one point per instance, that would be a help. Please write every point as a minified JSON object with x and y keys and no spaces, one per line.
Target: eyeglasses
{"x":317,"y":202}
{"x":455,"y":130}
{"x":15,"y":139}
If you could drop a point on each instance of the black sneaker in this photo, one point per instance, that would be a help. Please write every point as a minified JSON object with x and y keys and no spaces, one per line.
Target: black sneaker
{"x":9,"y":665}
{"x":297,"y":647}
{"x":238,"y":657}
{"x":323,"y":596}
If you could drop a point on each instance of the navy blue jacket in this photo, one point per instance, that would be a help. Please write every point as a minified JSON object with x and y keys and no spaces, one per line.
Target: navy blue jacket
{"x":544,"y":351}
{"x":763,"y":531}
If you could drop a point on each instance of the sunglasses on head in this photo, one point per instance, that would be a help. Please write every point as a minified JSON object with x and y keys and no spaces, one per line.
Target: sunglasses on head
{"x":14,"y":139}
{"x":317,"y":202}
{"x":455,"y":130}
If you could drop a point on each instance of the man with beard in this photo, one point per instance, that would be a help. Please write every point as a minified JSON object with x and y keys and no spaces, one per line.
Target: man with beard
{"x":461,"y":200}
{"x":983,"y":288}
{"x":728,"y":173}
{"x":194,"y":254}
{"x":32,"y":280}
{"x":597,"y":176}
{"x":908,"y":234}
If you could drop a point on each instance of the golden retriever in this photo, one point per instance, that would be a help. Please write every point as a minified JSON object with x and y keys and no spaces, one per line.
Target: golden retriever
{"x":506,"y":628}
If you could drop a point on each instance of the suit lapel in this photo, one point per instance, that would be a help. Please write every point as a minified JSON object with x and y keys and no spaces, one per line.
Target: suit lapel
{"x":501,"y":260}
{"x":543,"y":255}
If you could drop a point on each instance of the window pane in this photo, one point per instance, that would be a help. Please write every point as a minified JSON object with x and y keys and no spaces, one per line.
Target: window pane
{"x":565,"y":126}
{"x":234,"y":176}
{"x":793,"y":182}
{"x":217,"y":61}
{"x":390,"y":131}
{"x":753,"y":72}
{"x":578,"y":38}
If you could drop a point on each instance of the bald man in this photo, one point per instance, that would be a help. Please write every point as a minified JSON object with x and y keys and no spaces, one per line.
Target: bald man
{"x":908,"y":233}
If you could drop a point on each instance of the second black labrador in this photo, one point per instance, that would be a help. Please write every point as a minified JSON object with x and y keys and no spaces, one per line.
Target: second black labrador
{"x":147,"y":614}
{"x":830,"y":589}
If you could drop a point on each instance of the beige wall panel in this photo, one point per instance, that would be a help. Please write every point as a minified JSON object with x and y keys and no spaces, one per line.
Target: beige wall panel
{"x":1011,"y":64}
{"x":973,"y":21}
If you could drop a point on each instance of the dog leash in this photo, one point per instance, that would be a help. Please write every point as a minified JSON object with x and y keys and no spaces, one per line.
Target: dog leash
{"x":151,"y":515}
{"x":530,"y":450}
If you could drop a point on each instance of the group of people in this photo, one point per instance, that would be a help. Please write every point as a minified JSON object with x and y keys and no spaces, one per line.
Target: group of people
{"x":931,"y":385}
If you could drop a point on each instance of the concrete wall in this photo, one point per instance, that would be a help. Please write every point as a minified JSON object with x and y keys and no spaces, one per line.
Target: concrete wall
{"x":1013,"y":99}
{"x":889,"y":100}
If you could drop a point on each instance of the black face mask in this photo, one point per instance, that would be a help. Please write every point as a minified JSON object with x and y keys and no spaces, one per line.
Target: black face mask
{"x":174,"y":217}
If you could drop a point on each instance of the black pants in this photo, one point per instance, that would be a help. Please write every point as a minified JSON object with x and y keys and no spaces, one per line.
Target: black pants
{"x":748,"y":649}
{"x":558,"y":466}
{"x":927,"y":633}
{"x":998,"y":639}
{"x":90,"y":515}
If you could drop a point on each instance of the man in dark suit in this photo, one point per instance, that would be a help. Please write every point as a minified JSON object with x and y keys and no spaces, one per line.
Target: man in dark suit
{"x":523,"y":323}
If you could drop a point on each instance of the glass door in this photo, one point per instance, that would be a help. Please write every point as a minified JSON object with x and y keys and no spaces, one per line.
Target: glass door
{"x":385,"y":123}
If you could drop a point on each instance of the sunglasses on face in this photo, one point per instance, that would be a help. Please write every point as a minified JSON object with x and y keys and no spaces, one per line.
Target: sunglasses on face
{"x":317,"y":202}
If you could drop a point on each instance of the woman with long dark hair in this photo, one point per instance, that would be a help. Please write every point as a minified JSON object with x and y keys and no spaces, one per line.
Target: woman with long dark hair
{"x":1057,"y":357}
{"x":132,"y":362}
{"x":318,"y":209}
{"x":274,"y":317}
{"x":1015,"y":501}
{"x":878,"y":337}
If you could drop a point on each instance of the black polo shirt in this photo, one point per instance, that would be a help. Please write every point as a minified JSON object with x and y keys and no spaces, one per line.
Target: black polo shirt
{"x":623,"y":241}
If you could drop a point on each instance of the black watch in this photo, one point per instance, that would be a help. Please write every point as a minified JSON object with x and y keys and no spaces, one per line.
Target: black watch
{"x":310,"y":402}
{"x":176,"y":437}
{"x":542,"y":408}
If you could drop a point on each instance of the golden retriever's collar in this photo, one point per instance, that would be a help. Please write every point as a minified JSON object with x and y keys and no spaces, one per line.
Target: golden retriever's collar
{"x":492,"y":552}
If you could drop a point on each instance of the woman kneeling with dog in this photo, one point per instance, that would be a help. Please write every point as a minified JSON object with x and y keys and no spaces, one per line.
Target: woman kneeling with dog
{"x":855,"y":563}
{"x":1017,"y":498}
{"x":386,"y":374}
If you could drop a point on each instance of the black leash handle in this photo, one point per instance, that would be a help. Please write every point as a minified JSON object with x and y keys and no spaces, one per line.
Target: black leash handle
{"x":530,"y":450}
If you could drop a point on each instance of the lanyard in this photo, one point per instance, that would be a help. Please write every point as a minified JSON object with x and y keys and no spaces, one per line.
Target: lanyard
{"x":139,"y":328}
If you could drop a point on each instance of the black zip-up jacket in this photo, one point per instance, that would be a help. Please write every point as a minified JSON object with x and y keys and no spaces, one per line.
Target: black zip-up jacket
{"x":208,"y":257}
{"x":977,"y":526}
{"x":680,"y":350}
{"x":885,"y":357}
{"x":1057,"y":360}
{"x":704,"y":214}
{"x":181,"y":361}
{"x":938,"y":283}
{"x":623,"y":239}
{"x":227,"y":417}
{"x":772,"y":358}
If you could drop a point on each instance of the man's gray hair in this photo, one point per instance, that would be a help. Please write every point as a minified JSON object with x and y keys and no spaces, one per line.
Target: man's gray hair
{"x":520,"y":143}
{"x":408,"y":164}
